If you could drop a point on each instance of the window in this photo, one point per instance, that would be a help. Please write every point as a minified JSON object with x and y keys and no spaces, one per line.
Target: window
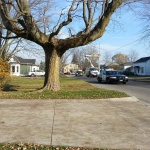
{"x":17,"y":68}
{"x":142,"y":69}
{"x":13,"y":69}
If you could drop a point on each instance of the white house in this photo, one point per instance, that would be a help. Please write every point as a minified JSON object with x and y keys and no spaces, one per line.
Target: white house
{"x":70,"y":68}
{"x":142,"y":66}
{"x":128,"y":66}
{"x":20,"y":66}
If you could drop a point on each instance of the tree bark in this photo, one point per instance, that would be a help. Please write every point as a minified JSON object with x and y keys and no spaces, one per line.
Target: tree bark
{"x":52,"y":68}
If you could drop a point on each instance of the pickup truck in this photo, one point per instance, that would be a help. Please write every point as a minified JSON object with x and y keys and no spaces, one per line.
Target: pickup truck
{"x":36,"y":73}
{"x":92,"y":72}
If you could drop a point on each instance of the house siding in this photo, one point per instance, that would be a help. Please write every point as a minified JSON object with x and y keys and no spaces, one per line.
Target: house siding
{"x":144,"y":68}
{"x":15,"y":69}
{"x":24,"y":69}
{"x":70,"y":68}
{"x":34,"y":68}
{"x":147,"y":66}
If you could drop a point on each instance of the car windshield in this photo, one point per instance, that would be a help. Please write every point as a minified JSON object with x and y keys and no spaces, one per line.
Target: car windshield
{"x":94,"y":69}
{"x":79,"y":71}
{"x":113,"y":73}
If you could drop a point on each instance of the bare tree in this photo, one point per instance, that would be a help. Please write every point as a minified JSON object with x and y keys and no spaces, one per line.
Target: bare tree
{"x":142,"y":13}
{"x":145,"y":17}
{"x":65,"y":58}
{"x":133,"y":55}
{"x":8,"y":46}
{"x":91,"y":50}
{"x":92,"y":15}
{"x":75,"y":59}
{"x":5,"y":43}
{"x":80,"y":54}
{"x":107,"y":58}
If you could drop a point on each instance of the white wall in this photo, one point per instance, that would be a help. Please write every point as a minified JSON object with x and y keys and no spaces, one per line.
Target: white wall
{"x":15,"y":69}
{"x":125,"y":67}
{"x":33,"y":68}
{"x":144,"y":68}
{"x":147,"y":68}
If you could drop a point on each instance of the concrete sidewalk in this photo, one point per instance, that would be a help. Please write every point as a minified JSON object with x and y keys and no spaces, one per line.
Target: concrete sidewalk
{"x":102,"y":123}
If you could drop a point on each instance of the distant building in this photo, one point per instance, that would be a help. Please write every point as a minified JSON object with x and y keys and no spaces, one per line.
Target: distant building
{"x":20,"y":66}
{"x":128,"y":66}
{"x":142,"y":66}
{"x":70,"y":68}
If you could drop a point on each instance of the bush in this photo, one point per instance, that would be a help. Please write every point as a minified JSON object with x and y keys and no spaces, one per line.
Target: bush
{"x":4,"y":73}
{"x":128,"y":73}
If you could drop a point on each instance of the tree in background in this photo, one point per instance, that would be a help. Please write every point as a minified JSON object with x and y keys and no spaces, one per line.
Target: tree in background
{"x":42,"y":65}
{"x":145,"y":17}
{"x":31,"y":23}
{"x":120,"y":58}
{"x":4,"y":72}
{"x":80,"y":53}
{"x":75,"y":59}
{"x":8,"y":46}
{"x":65,"y":58}
{"x":133,"y":55}
{"x":107,"y":58}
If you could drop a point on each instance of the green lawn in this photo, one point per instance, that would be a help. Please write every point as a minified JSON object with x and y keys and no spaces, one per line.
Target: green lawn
{"x":27,"y":88}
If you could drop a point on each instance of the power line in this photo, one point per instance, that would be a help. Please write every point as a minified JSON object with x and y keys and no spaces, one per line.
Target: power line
{"x":123,"y":45}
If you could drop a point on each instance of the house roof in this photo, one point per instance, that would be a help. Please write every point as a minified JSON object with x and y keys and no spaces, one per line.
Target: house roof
{"x":25,"y":61}
{"x":143,"y":59}
{"x":69,"y":64}
{"x":128,"y":64}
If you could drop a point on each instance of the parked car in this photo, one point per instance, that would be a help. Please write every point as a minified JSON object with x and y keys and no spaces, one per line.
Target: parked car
{"x":36,"y":73}
{"x":112,"y":76}
{"x":79,"y":73}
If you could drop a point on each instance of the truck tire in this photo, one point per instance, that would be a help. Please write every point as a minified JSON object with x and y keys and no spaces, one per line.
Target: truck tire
{"x":32,"y":75}
{"x":107,"y":80}
{"x":99,"y":80}
{"x":124,"y":82}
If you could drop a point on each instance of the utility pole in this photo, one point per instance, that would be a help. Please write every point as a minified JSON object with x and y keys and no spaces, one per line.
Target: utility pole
{"x":99,"y":67}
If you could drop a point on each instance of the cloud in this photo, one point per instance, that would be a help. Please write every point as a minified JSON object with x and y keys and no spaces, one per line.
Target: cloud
{"x":62,"y":35}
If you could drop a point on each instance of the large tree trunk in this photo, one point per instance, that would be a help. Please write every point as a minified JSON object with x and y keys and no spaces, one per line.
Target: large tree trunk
{"x":52,"y":69}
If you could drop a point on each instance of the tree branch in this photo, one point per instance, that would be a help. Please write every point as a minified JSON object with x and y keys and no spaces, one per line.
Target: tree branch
{"x":6,"y":37}
{"x":97,"y":31}
{"x":64,"y":23}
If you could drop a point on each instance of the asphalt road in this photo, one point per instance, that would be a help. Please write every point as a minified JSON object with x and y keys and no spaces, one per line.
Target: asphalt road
{"x":136,"y":88}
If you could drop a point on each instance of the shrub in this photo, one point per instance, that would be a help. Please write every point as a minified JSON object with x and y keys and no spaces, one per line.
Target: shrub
{"x":4,"y":73}
{"x":128,"y":73}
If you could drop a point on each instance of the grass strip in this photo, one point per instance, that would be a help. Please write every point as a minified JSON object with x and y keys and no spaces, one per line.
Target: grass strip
{"x":71,"y":88}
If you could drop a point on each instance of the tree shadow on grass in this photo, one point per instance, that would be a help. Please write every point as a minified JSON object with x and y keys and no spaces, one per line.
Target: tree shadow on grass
{"x":9,"y":87}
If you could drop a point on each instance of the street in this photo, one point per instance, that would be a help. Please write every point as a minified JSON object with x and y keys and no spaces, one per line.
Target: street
{"x":136,"y":88}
